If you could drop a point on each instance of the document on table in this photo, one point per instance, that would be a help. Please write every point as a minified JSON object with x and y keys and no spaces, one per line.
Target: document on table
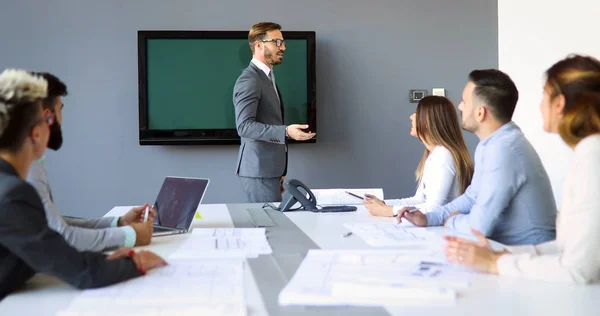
{"x":374,"y":277}
{"x":183,"y":287}
{"x":340,"y":197}
{"x":391,"y":234}
{"x":224,"y":242}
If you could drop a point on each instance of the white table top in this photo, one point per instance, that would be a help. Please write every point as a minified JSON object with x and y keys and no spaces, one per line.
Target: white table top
{"x":488,"y":295}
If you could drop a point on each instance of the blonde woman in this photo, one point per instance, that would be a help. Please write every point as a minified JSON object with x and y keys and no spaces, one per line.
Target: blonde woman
{"x":446,"y":169}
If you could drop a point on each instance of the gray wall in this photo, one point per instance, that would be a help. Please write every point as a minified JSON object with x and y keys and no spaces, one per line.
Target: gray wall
{"x":369,"y":54}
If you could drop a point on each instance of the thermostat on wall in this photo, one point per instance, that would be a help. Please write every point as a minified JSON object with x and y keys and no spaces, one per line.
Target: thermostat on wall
{"x":416,"y":95}
{"x":438,"y":91}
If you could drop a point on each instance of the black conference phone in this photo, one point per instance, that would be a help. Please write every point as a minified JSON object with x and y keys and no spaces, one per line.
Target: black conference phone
{"x":296,"y":191}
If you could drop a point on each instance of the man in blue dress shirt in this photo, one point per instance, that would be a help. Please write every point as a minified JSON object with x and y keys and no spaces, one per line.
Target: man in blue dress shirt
{"x":510,"y":198}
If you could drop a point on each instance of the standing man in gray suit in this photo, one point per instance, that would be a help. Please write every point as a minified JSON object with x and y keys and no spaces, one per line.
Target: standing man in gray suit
{"x":262,"y":159}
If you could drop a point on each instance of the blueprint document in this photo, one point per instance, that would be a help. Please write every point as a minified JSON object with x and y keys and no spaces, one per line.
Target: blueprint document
{"x":183,"y":287}
{"x":224,"y":242}
{"x":391,"y":234}
{"x":374,"y":277}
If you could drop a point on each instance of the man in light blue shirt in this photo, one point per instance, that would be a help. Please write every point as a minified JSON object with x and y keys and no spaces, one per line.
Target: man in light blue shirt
{"x":510,"y":198}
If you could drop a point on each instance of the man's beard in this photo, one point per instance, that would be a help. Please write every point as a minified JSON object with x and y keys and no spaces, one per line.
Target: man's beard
{"x":270,"y":57}
{"x":55,"y":141}
{"x":464,"y":124}
{"x":471,"y":129}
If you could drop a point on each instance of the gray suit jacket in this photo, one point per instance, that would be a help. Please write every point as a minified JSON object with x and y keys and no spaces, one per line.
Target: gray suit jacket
{"x":259,"y":122}
{"x":28,"y":245}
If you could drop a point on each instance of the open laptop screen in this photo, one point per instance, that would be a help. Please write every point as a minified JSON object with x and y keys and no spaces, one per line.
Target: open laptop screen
{"x":178,"y":200}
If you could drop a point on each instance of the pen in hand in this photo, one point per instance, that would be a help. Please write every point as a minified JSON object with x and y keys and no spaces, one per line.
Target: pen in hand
{"x":146,"y":214}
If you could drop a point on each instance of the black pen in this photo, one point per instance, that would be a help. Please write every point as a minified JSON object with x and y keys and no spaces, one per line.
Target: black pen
{"x":355,"y":195}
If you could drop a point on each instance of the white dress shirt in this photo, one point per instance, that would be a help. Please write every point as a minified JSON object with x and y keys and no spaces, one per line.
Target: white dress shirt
{"x":439,"y":184}
{"x":262,"y":66}
{"x":574,"y":257}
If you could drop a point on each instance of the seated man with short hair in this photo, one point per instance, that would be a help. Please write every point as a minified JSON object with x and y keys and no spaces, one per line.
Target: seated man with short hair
{"x":84,"y":234}
{"x":510,"y":199}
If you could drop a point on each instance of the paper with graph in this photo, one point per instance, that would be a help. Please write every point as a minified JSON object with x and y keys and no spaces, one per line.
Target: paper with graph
{"x":183,"y":287}
{"x":373,"y":277}
{"x":224,"y":242}
{"x":340,"y":197}
{"x":391,"y":234}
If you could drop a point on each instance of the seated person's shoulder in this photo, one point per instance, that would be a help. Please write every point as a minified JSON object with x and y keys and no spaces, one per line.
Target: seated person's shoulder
{"x":442,"y":156}
{"x":36,"y":170}
{"x":35,"y":166}
{"x":441,"y":153}
{"x":14,"y":189}
{"x":513,"y":138}
{"x":499,"y":154}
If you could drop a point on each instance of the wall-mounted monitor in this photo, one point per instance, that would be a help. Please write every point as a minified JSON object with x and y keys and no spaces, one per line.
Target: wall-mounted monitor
{"x":186,"y":81}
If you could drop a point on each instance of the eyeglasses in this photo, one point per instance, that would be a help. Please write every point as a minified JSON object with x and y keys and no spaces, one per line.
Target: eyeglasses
{"x":278,"y":41}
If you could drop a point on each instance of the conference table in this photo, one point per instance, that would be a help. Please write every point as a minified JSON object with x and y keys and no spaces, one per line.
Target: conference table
{"x":293,"y":234}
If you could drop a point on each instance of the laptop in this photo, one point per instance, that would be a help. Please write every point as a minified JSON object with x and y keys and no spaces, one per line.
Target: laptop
{"x":177,"y":203}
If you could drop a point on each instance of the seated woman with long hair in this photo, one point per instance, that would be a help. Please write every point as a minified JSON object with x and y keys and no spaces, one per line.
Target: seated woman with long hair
{"x":571,"y":108}
{"x":446,"y":169}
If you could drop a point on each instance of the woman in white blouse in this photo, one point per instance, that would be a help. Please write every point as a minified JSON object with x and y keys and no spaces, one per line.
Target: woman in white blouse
{"x":571,"y":108}
{"x":446,"y":168}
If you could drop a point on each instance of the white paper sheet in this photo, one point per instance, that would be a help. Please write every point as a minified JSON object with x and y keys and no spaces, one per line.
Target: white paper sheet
{"x":224,"y":242}
{"x":375,"y":277}
{"x":340,"y":197}
{"x":184,"y":287}
{"x":391,"y":234}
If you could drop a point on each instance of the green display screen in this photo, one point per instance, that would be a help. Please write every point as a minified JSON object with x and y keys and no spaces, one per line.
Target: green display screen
{"x":190,"y":82}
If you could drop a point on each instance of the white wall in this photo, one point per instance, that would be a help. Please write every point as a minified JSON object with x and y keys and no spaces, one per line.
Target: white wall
{"x":532,"y":35}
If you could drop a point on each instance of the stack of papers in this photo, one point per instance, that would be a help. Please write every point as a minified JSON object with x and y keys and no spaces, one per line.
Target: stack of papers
{"x":183,"y":287}
{"x":224,"y":242}
{"x":374,"y":277}
{"x":391,"y":234}
{"x":340,"y":197}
